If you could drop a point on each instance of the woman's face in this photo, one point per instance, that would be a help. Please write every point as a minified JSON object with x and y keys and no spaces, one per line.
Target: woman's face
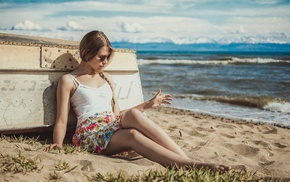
{"x":99,"y":62}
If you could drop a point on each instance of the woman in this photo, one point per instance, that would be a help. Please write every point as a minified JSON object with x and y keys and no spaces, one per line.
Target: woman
{"x":101,"y":126}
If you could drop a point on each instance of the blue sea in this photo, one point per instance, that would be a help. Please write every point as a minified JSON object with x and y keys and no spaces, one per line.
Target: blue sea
{"x":238,"y":84}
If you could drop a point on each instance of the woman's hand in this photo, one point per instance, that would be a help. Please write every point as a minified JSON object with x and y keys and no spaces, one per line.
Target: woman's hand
{"x":160,"y":99}
{"x":52,"y":146}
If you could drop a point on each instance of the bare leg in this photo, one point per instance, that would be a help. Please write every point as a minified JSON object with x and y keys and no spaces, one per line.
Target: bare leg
{"x":136,"y":119}
{"x":125,"y":139}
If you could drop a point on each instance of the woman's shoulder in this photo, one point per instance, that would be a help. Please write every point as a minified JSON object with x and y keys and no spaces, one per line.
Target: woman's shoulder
{"x":66,"y":79}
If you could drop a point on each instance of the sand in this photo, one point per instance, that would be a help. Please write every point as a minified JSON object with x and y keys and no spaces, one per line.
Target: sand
{"x":262,"y":148}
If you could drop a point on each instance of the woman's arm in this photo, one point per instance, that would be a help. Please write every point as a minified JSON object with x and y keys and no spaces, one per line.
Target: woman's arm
{"x":157,"y":100}
{"x":65,"y":85}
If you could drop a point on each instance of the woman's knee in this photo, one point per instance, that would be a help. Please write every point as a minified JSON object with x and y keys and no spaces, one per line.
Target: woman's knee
{"x":130,"y":117}
{"x":135,"y":112}
{"x":122,"y":140}
{"x":134,"y":134}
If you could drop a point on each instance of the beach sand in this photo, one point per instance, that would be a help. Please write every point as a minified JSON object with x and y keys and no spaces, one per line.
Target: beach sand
{"x":261,"y":148}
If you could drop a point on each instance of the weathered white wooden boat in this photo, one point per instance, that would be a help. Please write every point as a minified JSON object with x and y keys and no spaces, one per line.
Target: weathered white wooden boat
{"x":29,"y":70}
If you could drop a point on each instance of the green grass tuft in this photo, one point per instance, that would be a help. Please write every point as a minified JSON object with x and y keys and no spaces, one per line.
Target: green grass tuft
{"x":21,"y":164}
{"x":69,"y":149}
{"x":61,"y":165}
{"x":172,"y":175}
{"x":18,"y":163}
{"x":19,"y":139}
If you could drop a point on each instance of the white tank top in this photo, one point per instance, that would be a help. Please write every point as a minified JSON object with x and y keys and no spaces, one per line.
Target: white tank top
{"x":86,"y":101}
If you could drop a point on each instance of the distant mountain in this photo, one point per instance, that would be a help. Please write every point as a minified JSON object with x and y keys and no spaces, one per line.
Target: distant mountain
{"x":236,"y":47}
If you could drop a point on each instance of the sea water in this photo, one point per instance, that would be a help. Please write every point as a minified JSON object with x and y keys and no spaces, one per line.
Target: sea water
{"x":253,"y":86}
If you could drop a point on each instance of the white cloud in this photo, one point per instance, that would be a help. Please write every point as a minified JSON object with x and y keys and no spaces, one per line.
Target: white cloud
{"x":131,"y":28}
{"x":241,"y":30}
{"x":72,"y":26}
{"x":192,"y":40}
{"x":119,"y":6}
{"x":157,"y":21}
{"x":26,"y":25}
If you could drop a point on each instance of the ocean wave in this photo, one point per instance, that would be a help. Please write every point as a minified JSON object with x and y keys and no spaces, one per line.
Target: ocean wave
{"x":261,"y":102}
{"x":283,"y":107}
{"x":229,"y":60}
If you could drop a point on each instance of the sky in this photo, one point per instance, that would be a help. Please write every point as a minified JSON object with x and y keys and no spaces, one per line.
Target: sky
{"x":144,"y":21}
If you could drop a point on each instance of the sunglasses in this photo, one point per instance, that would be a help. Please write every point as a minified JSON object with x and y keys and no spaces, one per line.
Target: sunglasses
{"x":103,"y":58}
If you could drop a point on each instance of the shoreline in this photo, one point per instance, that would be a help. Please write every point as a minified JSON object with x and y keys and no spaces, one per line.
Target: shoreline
{"x":261,"y":148}
{"x":230,"y":119}
{"x":230,"y":111}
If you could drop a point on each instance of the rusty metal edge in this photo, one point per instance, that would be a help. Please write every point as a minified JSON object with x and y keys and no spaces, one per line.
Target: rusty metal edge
{"x":31,"y":44}
{"x":37,"y":129}
{"x":45,"y":128}
{"x":58,"y":70}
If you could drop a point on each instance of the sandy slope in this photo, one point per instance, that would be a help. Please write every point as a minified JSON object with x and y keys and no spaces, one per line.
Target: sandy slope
{"x":262,"y":148}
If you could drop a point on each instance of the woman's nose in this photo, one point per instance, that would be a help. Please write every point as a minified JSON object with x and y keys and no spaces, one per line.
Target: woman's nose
{"x":105,"y":60}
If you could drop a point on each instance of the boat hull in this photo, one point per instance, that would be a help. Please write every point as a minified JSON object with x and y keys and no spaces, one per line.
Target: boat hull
{"x":29,"y":71}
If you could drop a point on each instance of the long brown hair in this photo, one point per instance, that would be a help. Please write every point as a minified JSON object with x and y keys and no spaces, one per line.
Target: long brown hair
{"x":89,"y":47}
{"x":91,"y":43}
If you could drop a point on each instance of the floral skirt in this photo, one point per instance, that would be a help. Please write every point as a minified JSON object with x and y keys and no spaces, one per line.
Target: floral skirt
{"x":94,"y":134}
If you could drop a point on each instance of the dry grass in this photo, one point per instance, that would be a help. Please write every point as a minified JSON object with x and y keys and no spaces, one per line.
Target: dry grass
{"x":22,"y":164}
{"x":61,"y":167}
{"x":172,"y":175}
{"x":20,"y":139}
{"x":69,"y":149}
{"x":18,"y":163}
